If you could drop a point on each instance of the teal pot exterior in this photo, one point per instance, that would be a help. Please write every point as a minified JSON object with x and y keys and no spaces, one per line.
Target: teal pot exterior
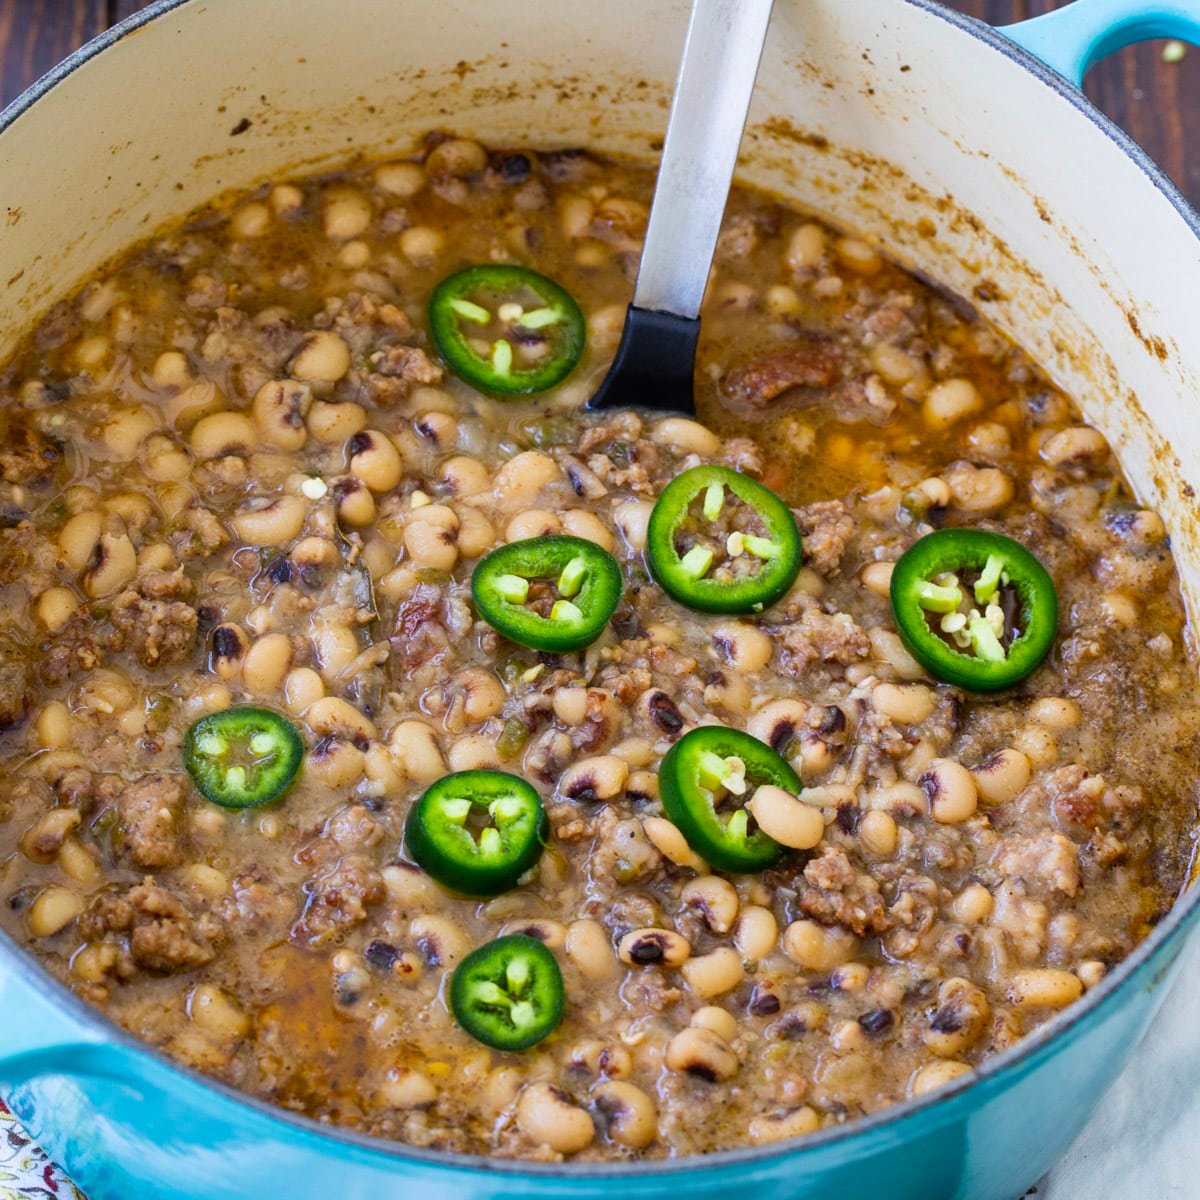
{"x":128,"y":1124}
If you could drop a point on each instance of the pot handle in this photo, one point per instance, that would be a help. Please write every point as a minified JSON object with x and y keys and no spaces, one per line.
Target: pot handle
{"x":1070,"y":39}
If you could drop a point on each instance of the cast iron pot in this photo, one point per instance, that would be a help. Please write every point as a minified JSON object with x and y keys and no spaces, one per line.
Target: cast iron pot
{"x":965,"y":154}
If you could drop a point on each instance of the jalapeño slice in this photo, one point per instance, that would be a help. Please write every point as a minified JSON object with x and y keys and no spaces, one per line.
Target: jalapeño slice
{"x":549,"y":593}
{"x":720,"y":542}
{"x":477,"y":832}
{"x":705,"y":780}
{"x":506,"y":330}
{"x":242,"y":757}
{"x":974,"y":608}
{"x":508,"y":994}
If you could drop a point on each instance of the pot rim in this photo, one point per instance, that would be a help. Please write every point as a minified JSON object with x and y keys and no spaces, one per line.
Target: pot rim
{"x":1185,"y":908}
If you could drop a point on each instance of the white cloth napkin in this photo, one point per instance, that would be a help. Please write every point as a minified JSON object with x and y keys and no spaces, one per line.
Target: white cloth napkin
{"x":1144,"y":1141}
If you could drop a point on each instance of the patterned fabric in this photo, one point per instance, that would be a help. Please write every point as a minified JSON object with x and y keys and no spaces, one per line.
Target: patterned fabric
{"x":25,"y":1171}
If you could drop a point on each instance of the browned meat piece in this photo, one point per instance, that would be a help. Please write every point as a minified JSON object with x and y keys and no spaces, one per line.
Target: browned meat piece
{"x":208,"y":534}
{"x":26,"y":455}
{"x":834,"y":896}
{"x":1044,"y":862}
{"x":738,"y":239}
{"x":158,"y":631}
{"x":149,"y":811}
{"x":742,"y":455}
{"x":820,"y":637}
{"x":26,"y":557}
{"x":826,"y":528}
{"x":338,"y":899}
{"x":163,"y":937}
{"x":396,"y":370}
{"x":419,"y":636}
{"x":758,"y":382}
{"x":16,"y":692}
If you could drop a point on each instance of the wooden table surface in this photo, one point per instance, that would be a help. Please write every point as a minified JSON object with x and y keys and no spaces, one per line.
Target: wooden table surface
{"x":1146,"y":95}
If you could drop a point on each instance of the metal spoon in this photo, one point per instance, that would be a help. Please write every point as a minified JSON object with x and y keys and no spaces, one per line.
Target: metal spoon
{"x":656,"y":358}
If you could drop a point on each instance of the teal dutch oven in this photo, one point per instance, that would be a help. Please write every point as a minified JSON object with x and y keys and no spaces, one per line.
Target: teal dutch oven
{"x":969,"y":151}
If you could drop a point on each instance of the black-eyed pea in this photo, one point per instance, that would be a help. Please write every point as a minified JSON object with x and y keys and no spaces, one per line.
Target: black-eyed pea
{"x":354,"y":255}
{"x":546,"y":1116}
{"x":414,"y":746}
{"x":1055,"y":712}
{"x":701,"y":1053}
{"x":407,"y":1090}
{"x":858,"y":256}
{"x":886,"y":647}
{"x":266,"y":663}
{"x":805,"y":247}
{"x":591,"y":780}
{"x":715,"y":1019}
{"x":206,"y":881}
{"x":581,"y":523}
{"x":520,"y":481}
{"x":54,"y":909}
{"x":410,"y":889}
{"x":221,"y":434}
{"x":441,"y":940}
{"x":632,"y":519}
{"x":157,"y":557}
{"x":570,"y":705}
{"x":936,"y":1075}
{"x":335,"y":763}
{"x":1091,"y":973}
{"x":278,"y":410}
{"x":878,"y":833}
{"x":53,"y":727}
{"x":214,"y":1011}
{"x":164,"y":461}
{"x":455,"y":156}
{"x":685,"y":436}
{"x":659,"y":947}
{"x":978,"y":489}
{"x":322,"y":359}
{"x":431,"y":537}
{"x":778,"y":722}
{"x":347,"y":214}
{"x":42,"y":841}
{"x":1002,"y":776}
{"x":877,"y":577}
{"x":331,"y":422}
{"x":374,"y":459}
{"x":575,"y":215}
{"x":632,"y":1119}
{"x":552,"y":934}
{"x":474,"y":752}
{"x":1044,"y":987}
{"x":716,"y":900}
{"x":94,"y":962}
{"x":756,"y":932}
{"x":973,"y":904}
{"x":483,"y":694}
{"x":1038,"y":745}
{"x":439,"y":429}
{"x":589,"y":949}
{"x":285,"y":198}
{"x":171,"y":369}
{"x":785,"y":818}
{"x":79,"y":538}
{"x":92,"y":353}
{"x":250,"y":221}
{"x":207,"y":697}
{"x":55,"y":607}
{"x":743,"y":646}
{"x":421,"y":244}
{"x":262,"y":522}
{"x":400,"y":178}
{"x":125,"y":431}
{"x":777,"y":1127}
{"x":816,"y":948}
{"x":642,"y":788}
{"x":332,"y":716}
{"x":950,"y":787}
{"x":465,"y":476}
{"x":533,"y":523}
{"x":79,"y":864}
{"x":1075,"y":446}
{"x":667,"y":839}
{"x":906,"y":704}
{"x":915,"y":763}
{"x":302,"y":687}
{"x":113,"y":563}
{"x":605,"y":324}
{"x":782,"y":301}
{"x":850,"y":977}
{"x":228,"y":646}
{"x":715,"y":973}
{"x":960,"y":1019}
{"x":353,"y":502}
{"x":476,"y":534}
{"x":1119,"y":608}
{"x":951,"y":401}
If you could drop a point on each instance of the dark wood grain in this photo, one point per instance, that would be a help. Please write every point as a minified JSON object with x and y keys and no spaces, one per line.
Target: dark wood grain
{"x":1154,"y":100}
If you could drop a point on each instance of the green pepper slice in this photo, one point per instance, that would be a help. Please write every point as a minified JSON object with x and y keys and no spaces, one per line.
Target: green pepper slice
{"x":477,"y":832}
{"x":720,"y":542}
{"x":508,"y":994}
{"x":506,"y":330}
{"x":975,"y":609}
{"x":706,"y":770}
{"x":242,"y":757}
{"x":550,"y":593}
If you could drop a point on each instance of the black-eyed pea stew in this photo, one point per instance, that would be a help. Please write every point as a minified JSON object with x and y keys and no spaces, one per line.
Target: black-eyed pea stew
{"x":673,"y":829}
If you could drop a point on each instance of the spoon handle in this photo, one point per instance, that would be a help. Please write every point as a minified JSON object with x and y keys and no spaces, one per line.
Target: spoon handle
{"x":712,"y":96}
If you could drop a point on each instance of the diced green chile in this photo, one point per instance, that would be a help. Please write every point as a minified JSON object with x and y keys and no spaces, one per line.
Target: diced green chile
{"x":242,"y":757}
{"x":508,"y":309}
{"x":477,"y":832}
{"x":581,"y":584}
{"x":696,"y":769}
{"x":686,"y":576}
{"x":509,"y":993}
{"x":982,"y":633}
